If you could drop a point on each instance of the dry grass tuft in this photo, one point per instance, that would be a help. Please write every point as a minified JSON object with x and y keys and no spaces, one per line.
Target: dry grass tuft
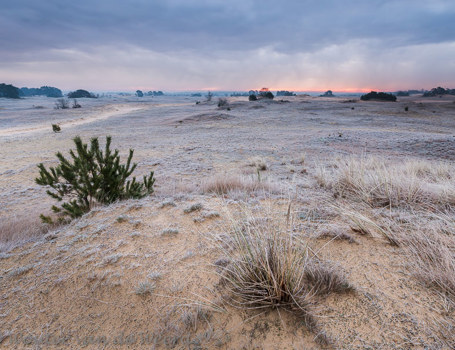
{"x":17,"y":230}
{"x":432,"y":257}
{"x":18,"y":271}
{"x":192,"y":208}
{"x":259,"y":163}
{"x":412,"y":184}
{"x":170,"y":232}
{"x":364,"y":225}
{"x":335,"y":233}
{"x":145,"y":288}
{"x":191,"y":317}
{"x":325,"y":278}
{"x":223,"y":184}
{"x":270,"y":267}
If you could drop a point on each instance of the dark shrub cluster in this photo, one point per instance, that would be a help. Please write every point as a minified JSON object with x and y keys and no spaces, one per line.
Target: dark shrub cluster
{"x":155,"y":93}
{"x":285,"y":93}
{"x":439,"y":91}
{"x":379,"y":96}
{"x":9,"y":91}
{"x":263,"y":93}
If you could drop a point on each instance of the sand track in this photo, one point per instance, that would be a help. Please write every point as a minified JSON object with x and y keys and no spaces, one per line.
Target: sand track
{"x":104,"y":112}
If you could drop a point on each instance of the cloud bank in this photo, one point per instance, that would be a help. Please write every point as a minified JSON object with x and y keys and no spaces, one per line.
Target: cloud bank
{"x":238,"y":45}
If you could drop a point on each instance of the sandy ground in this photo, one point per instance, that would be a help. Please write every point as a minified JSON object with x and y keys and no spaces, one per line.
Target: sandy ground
{"x":79,"y":284}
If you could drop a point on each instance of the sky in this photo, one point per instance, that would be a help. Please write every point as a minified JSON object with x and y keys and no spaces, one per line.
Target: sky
{"x":177,"y":45}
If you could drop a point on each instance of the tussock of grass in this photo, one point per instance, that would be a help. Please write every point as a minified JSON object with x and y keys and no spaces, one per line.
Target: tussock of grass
{"x":325,"y":278}
{"x":335,"y":233}
{"x":259,"y":163}
{"x":269,"y":267}
{"x":18,"y":271}
{"x":169,"y":232}
{"x":16,"y":230}
{"x":193,"y":208}
{"x":365,"y":225}
{"x":111,"y":259}
{"x":433,"y":260}
{"x":155,"y":275}
{"x":378,"y":183}
{"x":145,"y":288}
{"x":191,"y":317}
{"x":233,"y":183}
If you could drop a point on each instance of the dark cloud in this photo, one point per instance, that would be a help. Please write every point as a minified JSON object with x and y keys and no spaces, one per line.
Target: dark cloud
{"x":289,"y":26}
{"x":177,"y":35}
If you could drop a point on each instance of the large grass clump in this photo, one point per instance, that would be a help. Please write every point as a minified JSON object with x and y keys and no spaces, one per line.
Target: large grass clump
{"x":270,"y":267}
{"x":91,"y":177}
{"x":411,"y":184}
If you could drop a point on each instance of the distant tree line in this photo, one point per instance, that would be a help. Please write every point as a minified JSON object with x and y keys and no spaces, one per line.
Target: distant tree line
{"x":155,"y":93}
{"x":9,"y":91}
{"x":139,"y":93}
{"x":439,"y":91}
{"x":48,"y":91}
{"x":285,"y":93}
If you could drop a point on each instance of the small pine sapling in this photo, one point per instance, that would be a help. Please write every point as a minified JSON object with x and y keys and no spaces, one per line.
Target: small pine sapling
{"x":91,"y":177}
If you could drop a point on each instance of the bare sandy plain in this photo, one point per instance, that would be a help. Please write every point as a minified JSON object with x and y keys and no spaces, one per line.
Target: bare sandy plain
{"x":143,"y":274}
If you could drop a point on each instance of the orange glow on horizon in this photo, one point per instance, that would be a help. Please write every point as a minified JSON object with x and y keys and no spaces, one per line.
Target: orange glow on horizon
{"x":335,"y":89}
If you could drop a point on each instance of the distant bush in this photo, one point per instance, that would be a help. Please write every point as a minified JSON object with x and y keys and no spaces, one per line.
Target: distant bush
{"x":402,"y":93}
{"x":62,"y":104}
{"x":381,"y":96}
{"x":81,"y":94}
{"x":328,"y":93}
{"x":47,"y":91}
{"x":209,"y":96}
{"x":139,"y":93}
{"x":90,"y":178}
{"x":265,"y":93}
{"x":9,"y":91}
{"x":56,"y":128}
{"x":222,"y":102}
{"x":252,"y":98}
{"x":76,"y":104}
{"x":269,"y":95}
